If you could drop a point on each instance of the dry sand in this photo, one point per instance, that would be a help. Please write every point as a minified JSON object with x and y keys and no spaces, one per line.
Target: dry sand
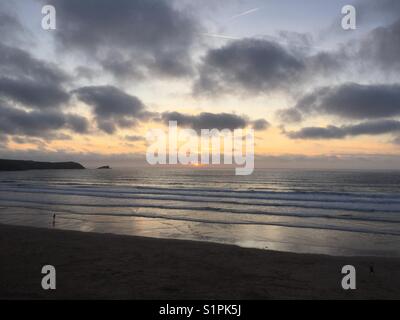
{"x":105,"y":266}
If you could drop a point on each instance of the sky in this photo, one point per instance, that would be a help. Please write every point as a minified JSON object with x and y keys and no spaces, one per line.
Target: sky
{"x":316,"y":95}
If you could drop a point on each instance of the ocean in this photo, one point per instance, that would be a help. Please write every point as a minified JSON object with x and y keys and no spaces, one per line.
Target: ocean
{"x":305,"y":211}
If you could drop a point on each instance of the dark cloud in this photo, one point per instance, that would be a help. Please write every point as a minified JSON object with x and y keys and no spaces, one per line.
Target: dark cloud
{"x":77,"y":123}
{"x":376,"y":53}
{"x":330,"y":132}
{"x":10,"y":28}
{"x":260,"y":124}
{"x":334,"y":132}
{"x":29,"y":81}
{"x":112,"y":107}
{"x":110,"y":101}
{"x":348,"y":101}
{"x":382,"y":10}
{"x":143,"y":35}
{"x":135,"y":138}
{"x":33,"y":93}
{"x":325,"y":64}
{"x":122,"y":68}
{"x":17,"y":63}
{"x":258,"y":66}
{"x":381,"y":48}
{"x":206,"y":120}
{"x":252,"y":64}
{"x":40,"y":143}
{"x":289,"y":115}
{"x":37,"y":123}
{"x":83,"y":72}
{"x":295,"y":40}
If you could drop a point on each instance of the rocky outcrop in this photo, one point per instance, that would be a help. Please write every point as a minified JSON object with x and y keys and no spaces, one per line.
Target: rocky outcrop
{"x":19,"y":165}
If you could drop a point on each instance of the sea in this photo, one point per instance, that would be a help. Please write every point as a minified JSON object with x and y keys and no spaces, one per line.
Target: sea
{"x":353,"y":213}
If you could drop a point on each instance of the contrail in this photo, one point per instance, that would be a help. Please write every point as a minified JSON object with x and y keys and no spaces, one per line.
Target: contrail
{"x":221,"y":36}
{"x":245,"y":13}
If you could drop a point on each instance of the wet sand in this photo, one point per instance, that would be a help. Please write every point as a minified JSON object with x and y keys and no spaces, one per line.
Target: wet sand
{"x":106,"y":266}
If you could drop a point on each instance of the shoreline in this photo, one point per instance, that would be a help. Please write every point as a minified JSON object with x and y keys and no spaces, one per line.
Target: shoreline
{"x":108,"y":266}
{"x":265,"y":237}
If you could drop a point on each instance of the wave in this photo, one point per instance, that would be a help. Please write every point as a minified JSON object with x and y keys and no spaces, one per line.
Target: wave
{"x":213,"y":210}
{"x":222,"y":222}
{"x":253,"y":192}
{"x":290,"y":200}
{"x":289,"y":196}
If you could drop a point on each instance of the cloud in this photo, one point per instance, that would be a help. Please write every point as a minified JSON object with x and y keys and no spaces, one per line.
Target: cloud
{"x":263,"y":65}
{"x":291,"y":62}
{"x":260,"y":124}
{"x":207,"y":120}
{"x":347,"y":101}
{"x":330,"y":132}
{"x":333,"y":132}
{"x":83,"y":72}
{"x":289,"y":115}
{"x":113,"y":107}
{"x":30,"y":81}
{"x":39,"y":143}
{"x":381,"y":47}
{"x":18,"y":63}
{"x":122,"y":68}
{"x":381,"y":10}
{"x":77,"y":123}
{"x":251,"y":64}
{"x":144,"y":35}
{"x":37,"y":123}
{"x":32,"y":93}
{"x":376,"y":53}
{"x":135,"y":138}
{"x":10,"y":28}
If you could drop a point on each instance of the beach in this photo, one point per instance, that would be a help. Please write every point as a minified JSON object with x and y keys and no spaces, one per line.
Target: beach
{"x":107,"y":266}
